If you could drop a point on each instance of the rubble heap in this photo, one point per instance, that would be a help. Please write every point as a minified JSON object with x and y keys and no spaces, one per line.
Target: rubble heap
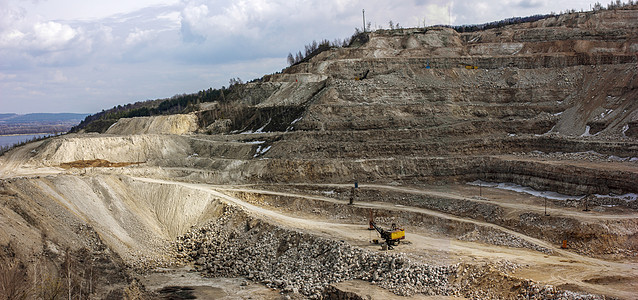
{"x":239,"y":245}
{"x":297,"y":262}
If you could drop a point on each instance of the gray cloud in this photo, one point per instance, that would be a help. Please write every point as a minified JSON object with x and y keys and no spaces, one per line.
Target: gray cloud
{"x":188,"y":36}
{"x":531,"y":3}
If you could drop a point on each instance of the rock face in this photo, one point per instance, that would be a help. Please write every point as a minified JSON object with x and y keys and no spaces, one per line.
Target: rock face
{"x":565,"y":84}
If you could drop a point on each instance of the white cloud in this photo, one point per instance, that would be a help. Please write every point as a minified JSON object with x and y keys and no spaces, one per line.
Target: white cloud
{"x":11,"y":38}
{"x":173,"y":17}
{"x":195,"y":14}
{"x":52,"y":35}
{"x":139,"y":36}
{"x":4,"y":76}
{"x":10,"y":15}
{"x":253,"y":18}
{"x":59,"y":77}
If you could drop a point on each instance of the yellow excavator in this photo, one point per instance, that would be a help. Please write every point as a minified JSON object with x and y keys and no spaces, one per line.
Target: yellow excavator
{"x":392,"y":237}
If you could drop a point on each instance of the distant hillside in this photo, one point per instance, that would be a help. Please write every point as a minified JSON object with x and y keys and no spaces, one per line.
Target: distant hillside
{"x":471,"y":51}
{"x":177,"y":104}
{"x":38,"y":122}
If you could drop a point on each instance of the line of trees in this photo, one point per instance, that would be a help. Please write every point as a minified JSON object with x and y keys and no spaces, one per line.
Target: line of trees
{"x":35,"y":128}
{"x":394,"y":26}
{"x":313,"y":49}
{"x":499,"y":24}
{"x":618,"y":4}
{"x":182,"y":103}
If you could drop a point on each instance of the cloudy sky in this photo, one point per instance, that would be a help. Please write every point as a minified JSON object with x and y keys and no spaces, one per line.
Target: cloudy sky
{"x":85,"y":56}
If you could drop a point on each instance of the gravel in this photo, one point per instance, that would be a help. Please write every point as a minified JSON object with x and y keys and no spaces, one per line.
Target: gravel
{"x":295,"y":262}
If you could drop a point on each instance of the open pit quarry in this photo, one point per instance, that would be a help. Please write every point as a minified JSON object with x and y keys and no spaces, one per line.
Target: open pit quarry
{"x":509,"y":156}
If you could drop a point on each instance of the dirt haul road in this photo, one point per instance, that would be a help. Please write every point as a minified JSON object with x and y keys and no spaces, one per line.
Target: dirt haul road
{"x":551,"y":266}
{"x":562,"y":268}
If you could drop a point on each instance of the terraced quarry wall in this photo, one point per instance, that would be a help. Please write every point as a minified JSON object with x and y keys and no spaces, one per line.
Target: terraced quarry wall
{"x":257,"y":187}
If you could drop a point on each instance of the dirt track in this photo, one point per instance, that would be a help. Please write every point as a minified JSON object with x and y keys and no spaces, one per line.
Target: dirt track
{"x":561,"y":268}
{"x":332,"y":218}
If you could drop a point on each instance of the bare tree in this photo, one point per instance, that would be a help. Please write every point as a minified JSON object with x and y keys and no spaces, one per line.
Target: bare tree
{"x":13,"y":277}
{"x":299,"y":57}
{"x":234,"y":81}
{"x":291,"y":59}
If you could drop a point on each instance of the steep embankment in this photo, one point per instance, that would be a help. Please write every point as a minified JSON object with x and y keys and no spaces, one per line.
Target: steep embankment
{"x":131,"y":218}
{"x":171,"y":124}
{"x":121,"y":148}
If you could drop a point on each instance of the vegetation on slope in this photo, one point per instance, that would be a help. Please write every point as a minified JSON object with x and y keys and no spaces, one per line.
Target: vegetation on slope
{"x":184,"y":103}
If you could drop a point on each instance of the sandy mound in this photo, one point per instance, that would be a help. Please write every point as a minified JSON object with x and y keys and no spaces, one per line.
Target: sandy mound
{"x":173,"y":124}
{"x":133,"y":148}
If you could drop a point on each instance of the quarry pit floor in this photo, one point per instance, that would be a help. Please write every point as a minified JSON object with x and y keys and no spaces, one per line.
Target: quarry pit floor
{"x":323,"y":210}
{"x":561,"y":268}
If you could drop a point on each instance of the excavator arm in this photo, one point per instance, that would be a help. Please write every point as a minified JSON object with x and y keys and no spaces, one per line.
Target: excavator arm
{"x":381,"y":231}
{"x":390,"y":237}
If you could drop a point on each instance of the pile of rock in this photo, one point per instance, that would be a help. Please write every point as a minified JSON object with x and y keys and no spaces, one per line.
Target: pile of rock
{"x":532,"y":290}
{"x":491,"y":281}
{"x":494,"y":237}
{"x":297,"y":262}
{"x":239,"y":245}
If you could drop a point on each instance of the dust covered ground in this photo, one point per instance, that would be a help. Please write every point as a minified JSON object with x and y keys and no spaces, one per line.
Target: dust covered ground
{"x":515,"y":179}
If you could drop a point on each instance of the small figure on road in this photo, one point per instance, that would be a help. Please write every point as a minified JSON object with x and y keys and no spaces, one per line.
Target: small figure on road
{"x":353,"y":192}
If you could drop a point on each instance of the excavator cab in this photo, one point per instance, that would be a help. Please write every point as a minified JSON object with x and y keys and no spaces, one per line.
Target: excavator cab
{"x":397,"y":235}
